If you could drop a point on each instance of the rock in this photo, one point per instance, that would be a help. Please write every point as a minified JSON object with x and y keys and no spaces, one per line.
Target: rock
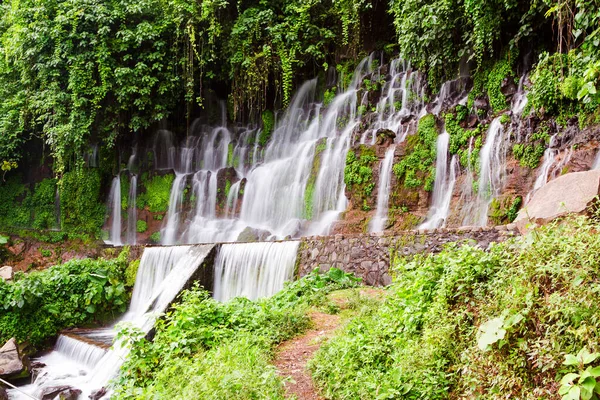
{"x":570,"y":193}
{"x":12,"y":364}
{"x":508,"y":87}
{"x":250,"y":234}
{"x":385,"y":136}
{"x":6,"y":273}
{"x":482,"y":103}
{"x":63,"y":392}
{"x":97,"y":394}
{"x":3,"y":394}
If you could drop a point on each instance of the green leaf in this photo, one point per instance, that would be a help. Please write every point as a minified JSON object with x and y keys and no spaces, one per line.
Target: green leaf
{"x":587,"y":388}
{"x":574,"y":393}
{"x":490,"y":332}
{"x":570,"y":359}
{"x":569,"y":378}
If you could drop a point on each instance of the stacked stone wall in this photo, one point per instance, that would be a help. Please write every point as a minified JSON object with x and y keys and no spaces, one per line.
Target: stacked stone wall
{"x":368,"y":255}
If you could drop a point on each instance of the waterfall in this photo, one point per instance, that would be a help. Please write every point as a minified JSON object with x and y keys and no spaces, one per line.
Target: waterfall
{"x":115,"y":216}
{"x":253,"y":270}
{"x":542,"y":178}
{"x":383,"y":192}
{"x":401,"y":96}
{"x":443,"y":185}
{"x":132,"y":211}
{"x":162,"y":274}
{"x":492,"y":161}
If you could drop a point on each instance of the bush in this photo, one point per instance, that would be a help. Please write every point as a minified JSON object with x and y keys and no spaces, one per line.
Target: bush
{"x":157,"y":194}
{"x":82,"y":210}
{"x":36,"y":306}
{"x":469,"y":323}
{"x":155,"y":237}
{"x":141,"y":226}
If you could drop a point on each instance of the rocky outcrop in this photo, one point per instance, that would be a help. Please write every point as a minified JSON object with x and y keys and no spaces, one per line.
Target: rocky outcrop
{"x":567,"y":194}
{"x":13,"y":365}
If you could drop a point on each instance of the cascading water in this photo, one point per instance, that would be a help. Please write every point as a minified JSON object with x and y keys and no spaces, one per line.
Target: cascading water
{"x":253,"y":270}
{"x":162,"y":273}
{"x":491,"y":173}
{"x":383,"y":192}
{"x":443,"y":186}
{"x":115,"y":207}
{"x":542,"y":178}
{"x":132,"y":211}
{"x":402,"y":96}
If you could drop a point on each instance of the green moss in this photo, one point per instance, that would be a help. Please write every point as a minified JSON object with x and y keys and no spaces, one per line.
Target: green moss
{"x":312,"y":179}
{"x":416,"y":168}
{"x":268,"y":121}
{"x":157,"y":193}
{"x":488,"y":81}
{"x":505,"y":211}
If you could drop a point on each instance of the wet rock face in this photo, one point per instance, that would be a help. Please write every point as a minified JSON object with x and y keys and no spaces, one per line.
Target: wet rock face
{"x":12,"y":364}
{"x":3,"y":394}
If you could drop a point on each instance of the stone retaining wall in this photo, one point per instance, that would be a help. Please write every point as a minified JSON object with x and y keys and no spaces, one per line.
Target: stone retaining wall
{"x":368,"y":255}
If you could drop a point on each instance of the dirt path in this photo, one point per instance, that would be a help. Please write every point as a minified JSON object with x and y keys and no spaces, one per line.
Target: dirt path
{"x":294,"y":354}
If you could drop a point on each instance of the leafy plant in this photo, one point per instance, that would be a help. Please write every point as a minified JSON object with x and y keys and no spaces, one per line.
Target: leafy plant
{"x":582,"y":384}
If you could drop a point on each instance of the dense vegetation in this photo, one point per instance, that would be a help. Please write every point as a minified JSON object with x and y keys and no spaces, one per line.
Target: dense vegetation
{"x":75,"y":72}
{"x":36,"y":306}
{"x":204,"y":349}
{"x":468,"y":323}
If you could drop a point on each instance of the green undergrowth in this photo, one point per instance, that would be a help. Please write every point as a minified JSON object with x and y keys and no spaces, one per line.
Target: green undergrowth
{"x":530,"y":154}
{"x":469,"y":323}
{"x":417,"y":168}
{"x":205,"y":349}
{"x":36,"y":306}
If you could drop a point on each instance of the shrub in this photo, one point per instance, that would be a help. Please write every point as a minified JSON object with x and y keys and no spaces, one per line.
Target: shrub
{"x":38,"y":305}
{"x":157,"y":194}
{"x":141,"y":226}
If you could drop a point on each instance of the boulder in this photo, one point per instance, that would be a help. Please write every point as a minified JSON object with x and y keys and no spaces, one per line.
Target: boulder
{"x":12,"y":364}
{"x":250,"y":234}
{"x":64,"y":392}
{"x":568,"y":194}
{"x":98,"y":394}
{"x":6,"y":273}
{"x":3,"y":394}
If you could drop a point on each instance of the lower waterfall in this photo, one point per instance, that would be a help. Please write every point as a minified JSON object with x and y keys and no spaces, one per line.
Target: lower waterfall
{"x":253,"y":270}
{"x":83,"y":363}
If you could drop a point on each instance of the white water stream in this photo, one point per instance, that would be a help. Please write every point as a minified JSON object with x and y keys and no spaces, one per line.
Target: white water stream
{"x":383,"y":192}
{"x":445,"y":178}
{"x":253,"y":270}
